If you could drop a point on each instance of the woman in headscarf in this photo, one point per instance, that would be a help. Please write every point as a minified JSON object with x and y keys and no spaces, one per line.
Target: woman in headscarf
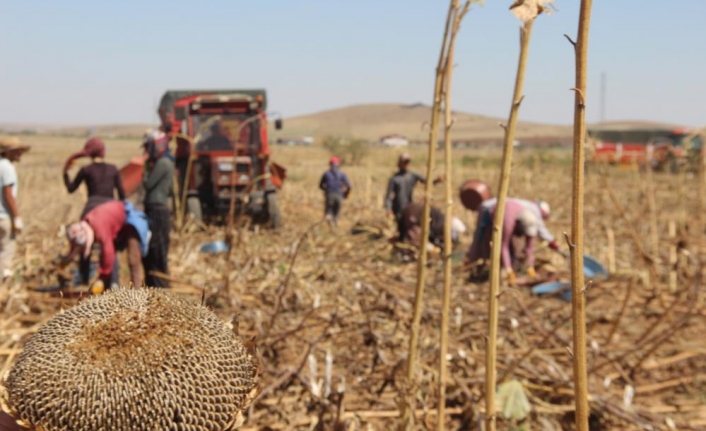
{"x":101,"y":179}
{"x":113,"y":226}
{"x":519,"y":221}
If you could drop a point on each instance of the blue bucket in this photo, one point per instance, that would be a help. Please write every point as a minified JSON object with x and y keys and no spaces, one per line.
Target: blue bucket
{"x":592,"y":270}
{"x":552,"y":287}
{"x":214,"y":247}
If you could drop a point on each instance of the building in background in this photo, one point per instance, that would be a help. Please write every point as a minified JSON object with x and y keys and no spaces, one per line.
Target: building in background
{"x":394,"y":140}
{"x":306,"y":141}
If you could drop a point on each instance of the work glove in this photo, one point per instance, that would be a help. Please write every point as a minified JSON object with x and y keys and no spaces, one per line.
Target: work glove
{"x":433,"y":250}
{"x":531,"y":272}
{"x":98,"y":287}
{"x":555,"y":246}
{"x":17,"y":225}
{"x":511,"y":277}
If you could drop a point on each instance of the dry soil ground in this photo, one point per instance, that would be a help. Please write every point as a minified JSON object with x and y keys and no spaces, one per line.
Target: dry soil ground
{"x":330,"y":311}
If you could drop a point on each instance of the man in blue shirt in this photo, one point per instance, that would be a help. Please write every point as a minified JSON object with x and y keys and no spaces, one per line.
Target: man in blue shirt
{"x":336,"y":187}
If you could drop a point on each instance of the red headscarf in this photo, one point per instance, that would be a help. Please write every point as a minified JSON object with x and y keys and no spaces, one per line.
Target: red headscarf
{"x":93,"y":148}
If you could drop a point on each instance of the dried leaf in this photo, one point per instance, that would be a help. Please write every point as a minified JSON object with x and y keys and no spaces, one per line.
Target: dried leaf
{"x":513,"y":400}
{"x":527,"y":10}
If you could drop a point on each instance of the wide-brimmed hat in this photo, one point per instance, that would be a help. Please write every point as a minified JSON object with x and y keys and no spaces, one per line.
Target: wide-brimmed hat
{"x":12,"y":143}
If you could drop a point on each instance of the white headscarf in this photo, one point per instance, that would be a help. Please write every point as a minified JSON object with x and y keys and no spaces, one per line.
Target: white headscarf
{"x":81,"y":234}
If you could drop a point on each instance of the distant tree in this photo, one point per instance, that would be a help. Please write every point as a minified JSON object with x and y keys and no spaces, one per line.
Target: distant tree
{"x":351,"y":151}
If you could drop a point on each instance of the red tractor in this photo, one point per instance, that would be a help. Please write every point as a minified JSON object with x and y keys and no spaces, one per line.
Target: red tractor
{"x":222,"y":155}
{"x":665,"y":149}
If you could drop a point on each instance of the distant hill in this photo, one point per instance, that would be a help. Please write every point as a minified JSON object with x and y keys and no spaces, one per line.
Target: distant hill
{"x":371,"y":121}
{"x":105,"y":130}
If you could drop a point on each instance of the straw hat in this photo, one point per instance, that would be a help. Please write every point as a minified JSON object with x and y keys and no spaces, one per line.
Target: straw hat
{"x":10,"y":143}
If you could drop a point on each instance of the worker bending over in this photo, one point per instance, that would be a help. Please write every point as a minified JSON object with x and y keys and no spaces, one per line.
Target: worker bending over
{"x":521,"y":219}
{"x":412,"y":223}
{"x":541,"y":211}
{"x":114,"y":226}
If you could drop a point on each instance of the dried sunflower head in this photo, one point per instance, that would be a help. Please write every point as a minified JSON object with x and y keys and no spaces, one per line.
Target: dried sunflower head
{"x":132,"y":359}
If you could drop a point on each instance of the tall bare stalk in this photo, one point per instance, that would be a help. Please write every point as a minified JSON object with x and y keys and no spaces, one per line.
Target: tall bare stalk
{"x":407,"y":408}
{"x":448,"y":213}
{"x":578,"y":302}
{"x":652,"y":208}
{"x":527,"y":12}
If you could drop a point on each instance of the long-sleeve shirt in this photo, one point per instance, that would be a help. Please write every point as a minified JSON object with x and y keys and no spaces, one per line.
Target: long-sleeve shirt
{"x":400,"y":189}
{"x":333,"y":181}
{"x":542,"y":231}
{"x":107,"y":220}
{"x":100,"y":178}
{"x":158,"y":182}
{"x":516,"y":221}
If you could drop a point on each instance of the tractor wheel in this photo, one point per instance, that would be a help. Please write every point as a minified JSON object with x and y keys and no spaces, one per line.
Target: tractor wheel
{"x":193,"y":208}
{"x":273,"y":212}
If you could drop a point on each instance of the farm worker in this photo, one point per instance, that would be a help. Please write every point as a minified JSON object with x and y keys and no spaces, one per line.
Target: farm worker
{"x":102,"y":182}
{"x":114,"y":226}
{"x":412,"y":221}
{"x":182,"y":151}
{"x":102,"y":179}
{"x":518,"y":221}
{"x":336,"y":187}
{"x":399,"y":191}
{"x":542,"y":211}
{"x":11,"y":150}
{"x":158,"y":182}
{"x":217,"y":141}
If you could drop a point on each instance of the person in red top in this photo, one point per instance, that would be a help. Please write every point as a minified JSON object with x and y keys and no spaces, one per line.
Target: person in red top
{"x":101,"y":180}
{"x":106,"y":225}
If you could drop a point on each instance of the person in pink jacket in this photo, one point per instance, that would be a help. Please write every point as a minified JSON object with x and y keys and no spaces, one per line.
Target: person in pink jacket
{"x":518,"y":221}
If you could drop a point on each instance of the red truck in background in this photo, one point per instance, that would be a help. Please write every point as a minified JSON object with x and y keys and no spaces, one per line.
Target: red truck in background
{"x":665,"y":149}
{"x":222,"y":154}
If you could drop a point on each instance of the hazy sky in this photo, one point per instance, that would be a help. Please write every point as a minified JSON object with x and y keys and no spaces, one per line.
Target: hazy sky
{"x":81,"y":61}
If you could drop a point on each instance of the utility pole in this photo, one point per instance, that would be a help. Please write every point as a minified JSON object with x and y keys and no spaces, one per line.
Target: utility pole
{"x":603,"y":95}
